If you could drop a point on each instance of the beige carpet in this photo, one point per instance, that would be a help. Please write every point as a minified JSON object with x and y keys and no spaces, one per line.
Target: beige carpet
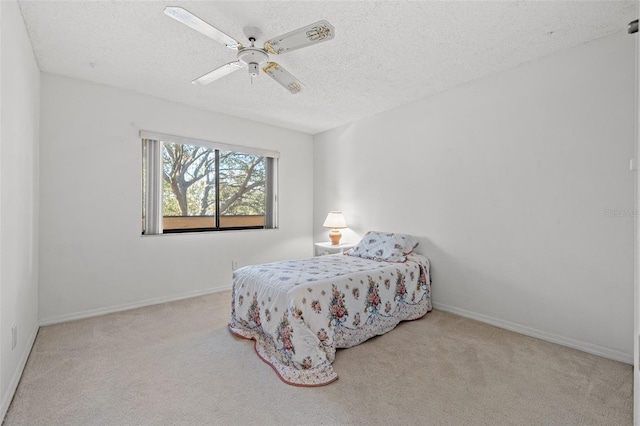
{"x":176,"y":364}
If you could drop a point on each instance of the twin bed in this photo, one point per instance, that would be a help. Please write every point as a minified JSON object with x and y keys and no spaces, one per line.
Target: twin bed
{"x":300,"y":311}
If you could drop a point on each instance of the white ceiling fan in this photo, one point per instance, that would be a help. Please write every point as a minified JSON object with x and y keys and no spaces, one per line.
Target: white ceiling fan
{"x":253,"y":57}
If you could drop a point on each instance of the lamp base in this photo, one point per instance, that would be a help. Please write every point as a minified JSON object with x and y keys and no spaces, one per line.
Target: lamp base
{"x":335,"y":236}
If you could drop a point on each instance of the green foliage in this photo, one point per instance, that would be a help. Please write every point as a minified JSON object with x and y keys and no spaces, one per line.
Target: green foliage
{"x":242,"y":184}
{"x":189,"y":182}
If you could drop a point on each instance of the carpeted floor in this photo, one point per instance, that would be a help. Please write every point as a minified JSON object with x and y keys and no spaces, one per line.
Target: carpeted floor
{"x":177,"y":364}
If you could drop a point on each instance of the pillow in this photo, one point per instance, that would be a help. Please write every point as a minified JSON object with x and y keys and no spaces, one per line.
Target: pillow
{"x":384,"y":246}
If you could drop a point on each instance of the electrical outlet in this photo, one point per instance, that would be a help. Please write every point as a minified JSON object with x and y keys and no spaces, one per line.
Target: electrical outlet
{"x":234,"y":265}
{"x":14,"y":337}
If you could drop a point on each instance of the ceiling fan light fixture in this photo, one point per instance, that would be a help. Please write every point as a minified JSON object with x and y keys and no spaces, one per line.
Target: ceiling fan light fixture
{"x":253,"y":69}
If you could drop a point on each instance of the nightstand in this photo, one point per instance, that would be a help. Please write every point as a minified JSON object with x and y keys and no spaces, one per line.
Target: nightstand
{"x":327,"y":248}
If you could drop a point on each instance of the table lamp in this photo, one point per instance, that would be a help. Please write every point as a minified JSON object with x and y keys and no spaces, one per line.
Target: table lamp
{"x":334,"y":221}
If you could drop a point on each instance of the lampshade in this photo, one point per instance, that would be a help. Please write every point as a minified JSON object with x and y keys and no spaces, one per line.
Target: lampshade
{"x":335,"y":220}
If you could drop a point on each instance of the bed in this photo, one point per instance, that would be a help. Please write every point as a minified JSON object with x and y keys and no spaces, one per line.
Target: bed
{"x":300,"y":311}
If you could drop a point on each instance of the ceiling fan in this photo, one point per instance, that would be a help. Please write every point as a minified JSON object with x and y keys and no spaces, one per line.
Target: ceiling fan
{"x":253,"y":57}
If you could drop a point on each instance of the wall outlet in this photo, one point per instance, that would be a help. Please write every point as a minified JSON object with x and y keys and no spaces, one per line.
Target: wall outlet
{"x":14,"y":337}
{"x":234,"y":265}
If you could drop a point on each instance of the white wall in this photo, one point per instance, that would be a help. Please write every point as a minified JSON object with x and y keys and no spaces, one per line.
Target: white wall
{"x":92,"y":256}
{"x":19,"y":115}
{"x":507,"y":181}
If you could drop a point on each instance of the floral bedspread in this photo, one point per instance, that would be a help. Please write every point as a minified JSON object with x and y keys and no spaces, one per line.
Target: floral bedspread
{"x":299,"y":311}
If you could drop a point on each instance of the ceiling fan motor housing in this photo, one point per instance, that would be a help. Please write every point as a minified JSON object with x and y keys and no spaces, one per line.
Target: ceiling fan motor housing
{"x":252,"y":58}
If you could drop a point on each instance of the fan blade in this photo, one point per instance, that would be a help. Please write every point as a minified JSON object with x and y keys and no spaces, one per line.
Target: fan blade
{"x":218,"y":73}
{"x":283,"y":77}
{"x":306,"y":36}
{"x":191,"y":20}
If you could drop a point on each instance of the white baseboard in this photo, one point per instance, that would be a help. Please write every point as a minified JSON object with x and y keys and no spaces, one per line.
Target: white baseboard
{"x":17,"y":374}
{"x":542,"y":335}
{"x":127,"y":306}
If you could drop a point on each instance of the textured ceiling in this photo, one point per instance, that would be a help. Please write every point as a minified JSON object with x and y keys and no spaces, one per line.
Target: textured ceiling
{"x":385,"y":53}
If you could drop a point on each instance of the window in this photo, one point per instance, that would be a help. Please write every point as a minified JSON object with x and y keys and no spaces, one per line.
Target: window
{"x":191,"y":185}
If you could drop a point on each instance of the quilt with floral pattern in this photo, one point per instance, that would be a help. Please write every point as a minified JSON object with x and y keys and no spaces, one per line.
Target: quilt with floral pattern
{"x":300,"y":311}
